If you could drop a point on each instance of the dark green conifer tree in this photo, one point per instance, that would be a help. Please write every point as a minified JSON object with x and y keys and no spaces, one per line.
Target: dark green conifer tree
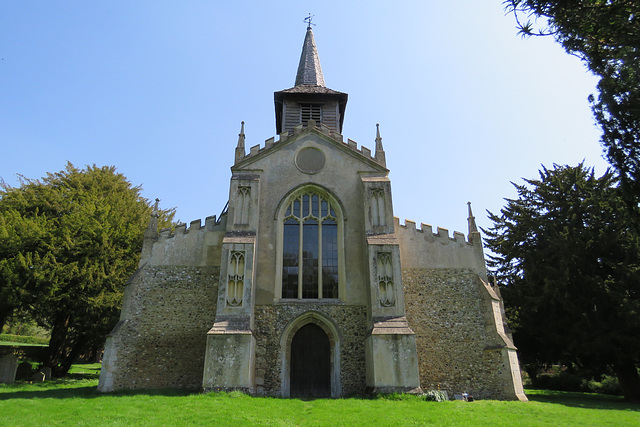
{"x":567,"y":255}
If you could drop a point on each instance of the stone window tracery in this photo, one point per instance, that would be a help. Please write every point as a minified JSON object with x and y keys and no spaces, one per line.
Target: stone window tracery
{"x":235,"y":282}
{"x":384,"y":273}
{"x":310,"y":247}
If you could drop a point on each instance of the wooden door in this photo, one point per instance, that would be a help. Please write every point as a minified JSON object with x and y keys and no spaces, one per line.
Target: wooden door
{"x":310,"y":363}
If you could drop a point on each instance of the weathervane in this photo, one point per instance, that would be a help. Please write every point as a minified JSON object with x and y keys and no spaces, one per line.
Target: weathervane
{"x":308,"y":20}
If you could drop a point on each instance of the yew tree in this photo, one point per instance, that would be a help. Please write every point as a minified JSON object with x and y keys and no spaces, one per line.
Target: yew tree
{"x":68,"y":244}
{"x":566,"y":252}
{"x":605,"y":34}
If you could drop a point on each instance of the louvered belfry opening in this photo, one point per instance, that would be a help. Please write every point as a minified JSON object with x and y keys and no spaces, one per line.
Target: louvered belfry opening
{"x":310,"y":112}
{"x":309,"y":99}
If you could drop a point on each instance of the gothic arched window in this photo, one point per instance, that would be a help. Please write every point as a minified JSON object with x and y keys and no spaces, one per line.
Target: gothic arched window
{"x":310,"y":249}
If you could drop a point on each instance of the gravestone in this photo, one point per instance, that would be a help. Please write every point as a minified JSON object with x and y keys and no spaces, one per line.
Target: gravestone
{"x":24,"y":371}
{"x":8,"y":367}
{"x":47,"y":372}
{"x":38,"y":377}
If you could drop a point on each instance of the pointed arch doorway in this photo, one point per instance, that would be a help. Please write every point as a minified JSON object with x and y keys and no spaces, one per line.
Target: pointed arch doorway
{"x":310,"y":363}
{"x":310,"y":350}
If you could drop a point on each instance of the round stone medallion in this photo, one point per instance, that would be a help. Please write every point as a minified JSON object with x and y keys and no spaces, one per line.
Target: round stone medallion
{"x":310,"y":160}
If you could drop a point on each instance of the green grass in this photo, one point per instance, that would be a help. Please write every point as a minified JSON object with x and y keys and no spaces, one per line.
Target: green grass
{"x":85,"y":371}
{"x":75,"y":401}
{"x":22,"y":344}
{"x":8,"y":339}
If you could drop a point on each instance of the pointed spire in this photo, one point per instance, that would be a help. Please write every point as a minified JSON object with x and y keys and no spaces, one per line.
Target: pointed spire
{"x":155,"y":208}
{"x":472,"y":221}
{"x":309,"y":69}
{"x":150,"y":235}
{"x":380,"y":156}
{"x":152,"y":229}
{"x":240,"y":148}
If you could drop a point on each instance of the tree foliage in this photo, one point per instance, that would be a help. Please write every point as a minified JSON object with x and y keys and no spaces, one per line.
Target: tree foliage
{"x":568,"y":258}
{"x":68,"y":244}
{"x":605,"y":34}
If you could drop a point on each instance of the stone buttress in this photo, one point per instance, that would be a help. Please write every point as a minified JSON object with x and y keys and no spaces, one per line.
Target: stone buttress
{"x":391,"y":358}
{"x":230,"y":350}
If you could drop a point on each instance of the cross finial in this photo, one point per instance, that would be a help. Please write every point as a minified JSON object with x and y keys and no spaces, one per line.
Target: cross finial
{"x":308,"y":20}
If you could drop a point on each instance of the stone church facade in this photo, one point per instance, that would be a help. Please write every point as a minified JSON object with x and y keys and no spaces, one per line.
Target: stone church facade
{"x":307,"y":285}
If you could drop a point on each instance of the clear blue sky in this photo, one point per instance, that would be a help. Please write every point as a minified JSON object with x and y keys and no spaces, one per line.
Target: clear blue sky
{"x":159,"y":88}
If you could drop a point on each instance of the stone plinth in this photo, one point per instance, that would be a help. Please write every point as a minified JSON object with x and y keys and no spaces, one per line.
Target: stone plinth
{"x":228,"y":362}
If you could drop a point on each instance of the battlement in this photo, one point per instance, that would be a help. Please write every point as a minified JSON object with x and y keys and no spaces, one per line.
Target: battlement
{"x":311,"y":127}
{"x":211,"y":223}
{"x":422,"y":248}
{"x":426,"y":230}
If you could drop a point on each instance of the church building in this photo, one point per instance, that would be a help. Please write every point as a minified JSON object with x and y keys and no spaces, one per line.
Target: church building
{"x":307,"y":285}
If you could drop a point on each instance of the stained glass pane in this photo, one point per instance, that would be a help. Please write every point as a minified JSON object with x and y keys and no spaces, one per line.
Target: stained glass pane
{"x":290,"y":254}
{"x":310,"y":259}
{"x":324,"y":208}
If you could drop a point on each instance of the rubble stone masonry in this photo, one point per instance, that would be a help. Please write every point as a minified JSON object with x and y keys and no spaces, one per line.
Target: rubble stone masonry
{"x":457,"y":350}
{"x":270,"y":322}
{"x":160,"y":339}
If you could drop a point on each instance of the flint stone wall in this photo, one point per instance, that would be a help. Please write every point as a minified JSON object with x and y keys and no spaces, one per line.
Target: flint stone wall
{"x":270,"y":322}
{"x":160,"y":339}
{"x":457,"y":349}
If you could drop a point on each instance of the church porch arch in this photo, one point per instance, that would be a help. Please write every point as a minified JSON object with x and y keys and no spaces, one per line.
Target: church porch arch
{"x":328,"y":327}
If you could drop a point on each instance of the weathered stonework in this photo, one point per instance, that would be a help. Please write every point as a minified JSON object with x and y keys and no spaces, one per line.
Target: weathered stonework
{"x":458,"y":349}
{"x":306,"y":285}
{"x":271,"y":321}
{"x":160,"y":339}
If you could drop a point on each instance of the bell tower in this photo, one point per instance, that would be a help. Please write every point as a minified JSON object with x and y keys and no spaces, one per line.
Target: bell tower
{"x":309,"y":99}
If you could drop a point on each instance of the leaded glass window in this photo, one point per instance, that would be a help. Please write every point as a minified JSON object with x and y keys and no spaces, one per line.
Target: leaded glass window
{"x":310,"y":248}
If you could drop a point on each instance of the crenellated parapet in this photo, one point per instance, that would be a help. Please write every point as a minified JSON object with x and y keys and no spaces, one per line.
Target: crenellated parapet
{"x":424,"y":248}
{"x":196,"y":245}
{"x":426,"y":231}
{"x":211,"y":223}
{"x":312,"y":126}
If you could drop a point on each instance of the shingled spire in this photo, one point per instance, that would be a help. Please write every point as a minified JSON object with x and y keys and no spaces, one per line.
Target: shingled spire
{"x":309,"y":99}
{"x":309,"y":69}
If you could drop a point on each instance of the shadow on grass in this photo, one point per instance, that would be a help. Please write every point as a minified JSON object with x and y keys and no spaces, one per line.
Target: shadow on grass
{"x":582,"y":400}
{"x":70,"y":389}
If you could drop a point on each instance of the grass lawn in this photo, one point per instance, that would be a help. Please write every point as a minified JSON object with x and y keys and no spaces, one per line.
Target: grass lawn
{"x":26,"y":344}
{"x":8,"y":339}
{"x":75,"y":401}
